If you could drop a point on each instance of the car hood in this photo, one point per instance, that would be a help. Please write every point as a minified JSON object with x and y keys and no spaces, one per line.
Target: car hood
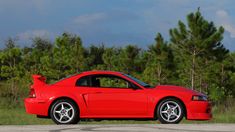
{"x":177,"y":88}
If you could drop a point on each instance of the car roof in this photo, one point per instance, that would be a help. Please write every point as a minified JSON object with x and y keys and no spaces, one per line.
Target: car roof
{"x":88,"y":73}
{"x":100,"y":72}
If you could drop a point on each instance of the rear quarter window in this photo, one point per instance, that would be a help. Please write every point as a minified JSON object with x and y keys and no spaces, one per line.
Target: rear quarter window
{"x":83,"y":81}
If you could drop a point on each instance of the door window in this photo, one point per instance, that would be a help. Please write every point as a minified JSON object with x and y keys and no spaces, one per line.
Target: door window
{"x":108,"y":81}
{"x":104,"y":81}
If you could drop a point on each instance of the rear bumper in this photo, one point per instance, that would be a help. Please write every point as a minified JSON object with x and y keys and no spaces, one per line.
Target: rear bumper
{"x":199,"y":110}
{"x":36,"y":106}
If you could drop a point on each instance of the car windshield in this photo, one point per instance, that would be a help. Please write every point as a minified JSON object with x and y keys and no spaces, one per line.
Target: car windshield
{"x":138,"y":81}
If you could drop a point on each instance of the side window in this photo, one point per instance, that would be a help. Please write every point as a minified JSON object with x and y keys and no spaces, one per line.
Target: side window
{"x":104,"y":81}
{"x":83,"y":81}
{"x":109,"y":81}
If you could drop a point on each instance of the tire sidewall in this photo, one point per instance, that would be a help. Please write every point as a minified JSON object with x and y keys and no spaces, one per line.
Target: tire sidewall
{"x":76,"y":112}
{"x":176,"y":101}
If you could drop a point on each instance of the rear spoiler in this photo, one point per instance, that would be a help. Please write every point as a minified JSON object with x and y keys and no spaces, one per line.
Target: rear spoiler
{"x":39,"y":80}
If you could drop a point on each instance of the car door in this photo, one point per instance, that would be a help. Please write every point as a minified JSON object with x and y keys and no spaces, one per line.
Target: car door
{"x":109,"y":98}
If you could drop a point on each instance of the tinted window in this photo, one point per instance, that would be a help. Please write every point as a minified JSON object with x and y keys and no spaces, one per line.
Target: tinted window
{"x":83,"y":81}
{"x":109,"y":81}
{"x":105,"y":81}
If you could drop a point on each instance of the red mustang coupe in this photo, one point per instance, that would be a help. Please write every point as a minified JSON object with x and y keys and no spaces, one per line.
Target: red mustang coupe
{"x":113,"y":95}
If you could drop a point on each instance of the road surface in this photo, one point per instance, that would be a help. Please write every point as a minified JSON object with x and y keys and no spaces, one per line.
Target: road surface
{"x":122,"y":128}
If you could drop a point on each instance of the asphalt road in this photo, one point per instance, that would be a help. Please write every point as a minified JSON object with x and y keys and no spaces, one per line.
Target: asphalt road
{"x":122,"y":128}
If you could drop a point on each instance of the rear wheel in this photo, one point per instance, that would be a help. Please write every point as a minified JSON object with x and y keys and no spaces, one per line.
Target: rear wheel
{"x":64,"y":111}
{"x":170,"y":111}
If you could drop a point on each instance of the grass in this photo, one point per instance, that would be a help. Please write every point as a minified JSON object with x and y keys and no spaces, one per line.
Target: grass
{"x":224,"y":114}
{"x":18,"y":116}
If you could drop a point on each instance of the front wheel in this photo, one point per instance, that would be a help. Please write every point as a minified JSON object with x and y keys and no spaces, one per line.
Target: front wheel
{"x":170,"y":111}
{"x":64,"y":111}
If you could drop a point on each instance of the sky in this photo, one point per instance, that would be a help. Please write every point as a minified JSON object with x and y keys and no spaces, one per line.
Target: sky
{"x":111,"y":22}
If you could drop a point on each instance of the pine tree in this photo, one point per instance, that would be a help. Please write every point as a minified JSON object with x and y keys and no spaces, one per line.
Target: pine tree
{"x":127,"y":59}
{"x":10,"y":59}
{"x":94,"y":56}
{"x":68,"y":55}
{"x":110,"y":58}
{"x":195,"y":41}
{"x":160,"y":62}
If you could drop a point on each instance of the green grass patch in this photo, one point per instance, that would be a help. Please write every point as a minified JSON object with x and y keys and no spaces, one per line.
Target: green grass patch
{"x":18,"y":116}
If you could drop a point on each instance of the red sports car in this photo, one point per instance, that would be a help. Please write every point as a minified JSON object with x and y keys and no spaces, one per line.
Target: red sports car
{"x":113,"y":95}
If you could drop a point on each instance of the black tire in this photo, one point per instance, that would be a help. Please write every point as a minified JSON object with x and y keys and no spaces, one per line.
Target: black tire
{"x":179,"y":114}
{"x":74,"y":112}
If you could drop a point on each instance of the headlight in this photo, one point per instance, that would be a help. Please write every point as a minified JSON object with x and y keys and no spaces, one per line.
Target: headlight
{"x":199,"y":98}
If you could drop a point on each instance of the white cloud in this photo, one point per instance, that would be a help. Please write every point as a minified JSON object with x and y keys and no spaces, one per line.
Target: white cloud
{"x":89,"y":18}
{"x":225,"y":21}
{"x":34,"y":33}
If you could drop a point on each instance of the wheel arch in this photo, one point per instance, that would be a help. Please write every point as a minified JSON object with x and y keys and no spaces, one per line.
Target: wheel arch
{"x":59,"y":98}
{"x":168,"y":97}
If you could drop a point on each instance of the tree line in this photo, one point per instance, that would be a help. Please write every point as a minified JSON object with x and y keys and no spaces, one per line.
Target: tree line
{"x":193,"y":57}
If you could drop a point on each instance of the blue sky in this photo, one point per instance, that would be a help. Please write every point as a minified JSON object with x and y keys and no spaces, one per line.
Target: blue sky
{"x":112,"y":22}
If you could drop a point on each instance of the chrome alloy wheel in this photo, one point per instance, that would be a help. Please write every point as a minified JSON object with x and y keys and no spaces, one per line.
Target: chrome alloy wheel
{"x":170,"y":111}
{"x":63,"y":112}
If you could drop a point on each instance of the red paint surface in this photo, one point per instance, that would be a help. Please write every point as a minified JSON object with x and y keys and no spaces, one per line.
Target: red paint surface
{"x":96,"y":102}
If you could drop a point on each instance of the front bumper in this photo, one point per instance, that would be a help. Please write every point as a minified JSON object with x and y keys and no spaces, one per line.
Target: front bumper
{"x":36,"y":106}
{"x":199,"y":110}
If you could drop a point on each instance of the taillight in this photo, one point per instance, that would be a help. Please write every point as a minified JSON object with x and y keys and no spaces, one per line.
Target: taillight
{"x":32,"y":93}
